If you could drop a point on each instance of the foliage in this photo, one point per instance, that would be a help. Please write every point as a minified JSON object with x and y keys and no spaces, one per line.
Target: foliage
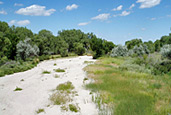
{"x":166,"y":51}
{"x":132,"y":43}
{"x":140,"y":50}
{"x":26,"y":49}
{"x":40,"y":111}
{"x":65,"y":87}
{"x":59,"y":70}
{"x":73,"y":108}
{"x":79,"y":49}
{"x":18,"y":89}
{"x":46,"y":72}
{"x":119,"y":51}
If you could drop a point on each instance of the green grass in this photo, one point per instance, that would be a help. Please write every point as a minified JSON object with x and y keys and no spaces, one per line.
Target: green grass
{"x":56,"y":76}
{"x":18,"y":89}
{"x":40,"y":111}
{"x":46,"y":72}
{"x":73,"y":108}
{"x":129,"y":93}
{"x":65,"y":86}
{"x":59,"y":70}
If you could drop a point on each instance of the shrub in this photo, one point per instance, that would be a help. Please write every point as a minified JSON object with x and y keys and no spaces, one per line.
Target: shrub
{"x":26,"y":49}
{"x":18,"y":89}
{"x":79,"y":49}
{"x":166,"y":51}
{"x":65,"y":87}
{"x":73,"y":108}
{"x":162,"y":68}
{"x":119,"y":51}
{"x":141,"y":50}
{"x":40,"y":111}
{"x":59,"y":70}
{"x":46,"y":72}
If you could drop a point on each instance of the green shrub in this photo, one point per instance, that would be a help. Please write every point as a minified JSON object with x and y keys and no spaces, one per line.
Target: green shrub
{"x":73,"y":108}
{"x":65,"y":87}
{"x":46,"y":72}
{"x":40,"y":111}
{"x":166,"y":51}
{"x":162,"y":68}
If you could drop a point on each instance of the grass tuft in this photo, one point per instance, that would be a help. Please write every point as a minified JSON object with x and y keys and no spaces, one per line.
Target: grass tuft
{"x":65,"y":87}
{"x":46,"y":72}
{"x":18,"y":89}
{"x":59,"y":70}
{"x":40,"y":111}
{"x":73,"y":108}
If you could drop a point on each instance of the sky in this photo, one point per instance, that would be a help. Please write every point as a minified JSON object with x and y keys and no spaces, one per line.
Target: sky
{"x":114,"y":20}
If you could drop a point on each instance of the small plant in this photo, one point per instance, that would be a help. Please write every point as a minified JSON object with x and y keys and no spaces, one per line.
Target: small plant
{"x":157,"y":85}
{"x":18,"y":89}
{"x":40,"y":111}
{"x":73,"y":108}
{"x":56,"y":76}
{"x":46,"y":72}
{"x":59,"y":70}
{"x":55,"y":64}
{"x":60,"y":98}
{"x":64,"y":108}
{"x":85,"y":79}
{"x":65,"y":87}
{"x":22,"y":80}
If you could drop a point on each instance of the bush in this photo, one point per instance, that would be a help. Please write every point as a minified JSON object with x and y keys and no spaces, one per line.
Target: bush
{"x":25,"y":49}
{"x":166,"y":51}
{"x":119,"y":51}
{"x":140,"y":50}
{"x":162,"y":68}
{"x":79,"y":49}
{"x":63,"y":52}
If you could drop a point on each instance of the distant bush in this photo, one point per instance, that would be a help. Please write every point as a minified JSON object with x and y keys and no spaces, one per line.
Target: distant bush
{"x":26,"y":49}
{"x":162,"y":68}
{"x":79,"y":48}
{"x":140,"y":50}
{"x":119,"y":51}
{"x":166,"y":51}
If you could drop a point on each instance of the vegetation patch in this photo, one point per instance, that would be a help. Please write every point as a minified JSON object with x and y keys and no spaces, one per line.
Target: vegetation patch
{"x":65,"y":87}
{"x":64,"y":108}
{"x":128,"y":92}
{"x":59,"y":70}
{"x":40,"y":111}
{"x":46,"y":72}
{"x":73,"y":108}
{"x":56,"y":76}
{"x":18,"y":89}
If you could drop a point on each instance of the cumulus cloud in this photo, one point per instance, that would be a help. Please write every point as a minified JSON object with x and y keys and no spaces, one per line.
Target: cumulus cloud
{"x":132,"y":6}
{"x":101,"y":17}
{"x":16,"y":4}
{"x":125,"y":13}
{"x":71,"y":7}
{"x":83,"y":23}
{"x":1,"y":2}
{"x":35,"y":10}
{"x":3,"y":12}
{"x":148,"y":3}
{"x":20,"y":23}
{"x":118,"y":8}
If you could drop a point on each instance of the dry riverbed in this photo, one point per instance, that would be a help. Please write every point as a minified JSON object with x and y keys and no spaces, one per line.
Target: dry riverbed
{"x":29,"y":92}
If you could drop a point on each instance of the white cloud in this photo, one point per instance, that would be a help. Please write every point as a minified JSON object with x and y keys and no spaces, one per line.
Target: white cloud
{"x":35,"y":10}
{"x":125,"y":13}
{"x":1,"y":2}
{"x":99,"y":10}
{"x":132,"y":6}
{"x":83,"y":24}
{"x":148,"y":3}
{"x":118,"y":8}
{"x":153,"y":19}
{"x":16,"y":4}
{"x":168,"y":15}
{"x":20,"y":23}
{"x":3,"y":12}
{"x":71,"y":7}
{"x":143,"y":29}
{"x":101,"y":17}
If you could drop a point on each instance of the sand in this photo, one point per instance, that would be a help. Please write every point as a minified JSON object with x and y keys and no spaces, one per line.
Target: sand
{"x":38,"y":87}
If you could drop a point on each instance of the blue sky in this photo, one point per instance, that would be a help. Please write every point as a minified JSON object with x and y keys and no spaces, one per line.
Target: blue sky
{"x":114,"y":20}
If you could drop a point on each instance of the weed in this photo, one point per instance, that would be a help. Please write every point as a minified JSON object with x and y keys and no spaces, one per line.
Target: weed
{"x":85,"y":79}
{"x":59,"y":98}
{"x":54,"y":64}
{"x":46,"y":72}
{"x":64,"y":108}
{"x":73,"y":108}
{"x":22,"y":80}
{"x":56,"y":76}
{"x":65,"y":87}
{"x":59,"y":70}
{"x":18,"y":89}
{"x":40,"y":111}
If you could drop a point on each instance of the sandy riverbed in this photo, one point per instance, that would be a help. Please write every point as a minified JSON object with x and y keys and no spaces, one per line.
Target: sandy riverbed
{"x":38,"y":87}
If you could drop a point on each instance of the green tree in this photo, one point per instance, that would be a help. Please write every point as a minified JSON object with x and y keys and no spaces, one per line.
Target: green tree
{"x":132,"y":43}
{"x":79,"y":48}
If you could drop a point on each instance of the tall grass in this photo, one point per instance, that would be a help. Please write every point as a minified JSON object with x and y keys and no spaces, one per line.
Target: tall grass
{"x":130,"y":92}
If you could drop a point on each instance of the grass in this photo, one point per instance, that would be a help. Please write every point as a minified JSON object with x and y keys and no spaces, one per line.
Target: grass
{"x":65,"y":87}
{"x":40,"y":111}
{"x":127,"y":92}
{"x":64,"y":108}
{"x":56,"y":76}
{"x":73,"y":108}
{"x":18,"y":89}
{"x":59,"y":98}
{"x":54,"y":64}
{"x":59,"y":70}
{"x":46,"y":72}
